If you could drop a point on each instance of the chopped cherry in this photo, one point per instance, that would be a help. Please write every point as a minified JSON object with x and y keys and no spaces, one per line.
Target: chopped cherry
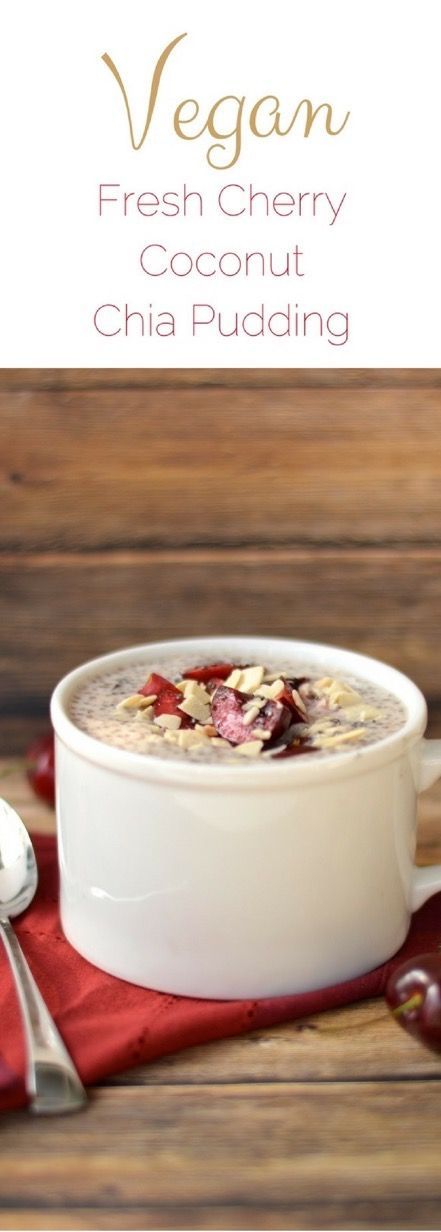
{"x":213,"y":684}
{"x":413,"y":994}
{"x":167,"y":702}
{"x":218,"y":671}
{"x":168,"y":698}
{"x":156,"y":685}
{"x":285,"y":696}
{"x":40,"y":767}
{"x":229,"y":716}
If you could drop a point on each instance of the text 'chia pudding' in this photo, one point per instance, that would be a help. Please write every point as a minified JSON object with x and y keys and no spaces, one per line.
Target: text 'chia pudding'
{"x":227,"y":712}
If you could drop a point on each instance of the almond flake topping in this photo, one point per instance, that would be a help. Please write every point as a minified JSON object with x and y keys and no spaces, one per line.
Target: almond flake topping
{"x":251,"y":748}
{"x":362,"y":713}
{"x":339,"y":694}
{"x":298,"y":701}
{"x":232,"y":681}
{"x":251,"y":678}
{"x":330,"y":742}
{"x":146,"y":715}
{"x":250,"y":716}
{"x":196,"y":710}
{"x":196,"y":691}
{"x":135,"y":702}
{"x":271,"y":691}
{"x":170,"y":721}
{"x":189,"y":739}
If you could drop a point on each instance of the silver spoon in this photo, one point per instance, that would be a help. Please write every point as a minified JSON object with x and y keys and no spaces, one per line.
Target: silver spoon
{"x":52,"y":1081}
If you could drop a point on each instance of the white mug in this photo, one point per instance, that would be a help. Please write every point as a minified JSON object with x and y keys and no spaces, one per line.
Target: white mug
{"x":249,"y":880}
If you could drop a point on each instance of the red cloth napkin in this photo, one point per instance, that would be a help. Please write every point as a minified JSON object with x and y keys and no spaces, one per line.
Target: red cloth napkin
{"x":109,"y":1025}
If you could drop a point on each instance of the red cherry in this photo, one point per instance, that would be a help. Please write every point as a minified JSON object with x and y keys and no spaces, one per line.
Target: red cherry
{"x":167,"y":702}
{"x":214,"y":671}
{"x":413,"y":994}
{"x":285,"y":696}
{"x":229,"y":716}
{"x":168,"y":698}
{"x":157,"y":684}
{"x":40,"y":767}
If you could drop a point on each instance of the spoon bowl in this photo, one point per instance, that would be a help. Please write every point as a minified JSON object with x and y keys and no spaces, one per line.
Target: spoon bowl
{"x":52,"y":1082}
{"x":18,"y":866}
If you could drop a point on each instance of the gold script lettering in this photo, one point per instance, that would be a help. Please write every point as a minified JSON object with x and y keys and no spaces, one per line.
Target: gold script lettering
{"x":153,"y":89}
{"x":311,"y":114}
{"x":212,"y":127}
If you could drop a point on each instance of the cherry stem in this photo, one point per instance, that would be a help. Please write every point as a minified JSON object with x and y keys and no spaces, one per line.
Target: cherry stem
{"x":412,"y":1004}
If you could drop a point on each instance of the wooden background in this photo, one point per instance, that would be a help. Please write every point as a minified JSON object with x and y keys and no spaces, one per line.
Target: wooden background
{"x":144,"y":504}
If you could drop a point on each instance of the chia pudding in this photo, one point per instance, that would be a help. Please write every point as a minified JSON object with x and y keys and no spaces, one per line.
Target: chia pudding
{"x":227,"y":712}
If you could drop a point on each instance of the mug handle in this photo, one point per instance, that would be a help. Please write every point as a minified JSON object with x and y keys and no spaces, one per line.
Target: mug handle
{"x":427,"y":881}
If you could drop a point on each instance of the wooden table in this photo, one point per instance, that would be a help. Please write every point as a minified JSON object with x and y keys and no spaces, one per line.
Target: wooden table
{"x":334,"y":1122}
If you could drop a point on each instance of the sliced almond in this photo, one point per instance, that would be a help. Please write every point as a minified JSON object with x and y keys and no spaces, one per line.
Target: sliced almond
{"x":362,"y":713}
{"x":198,"y":691}
{"x":171,"y":722}
{"x":188,"y":738}
{"x":232,"y":681}
{"x":298,"y":701}
{"x":344,"y":696}
{"x":339,"y":693}
{"x":250,"y":716}
{"x":251,"y":748}
{"x":330,"y":742}
{"x":147,"y":715}
{"x":195,"y":709}
{"x":322,"y":725}
{"x":251,"y":678}
{"x":219,"y":742}
{"x":271,"y":691}
{"x":136,"y":702}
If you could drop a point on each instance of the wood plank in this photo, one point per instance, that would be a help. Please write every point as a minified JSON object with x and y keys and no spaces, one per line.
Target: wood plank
{"x":58,"y":610}
{"x":418,"y":1214}
{"x":275,"y":1144}
{"x":233,"y":378}
{"x":356,"y":1043}
{"x":176,"y":467}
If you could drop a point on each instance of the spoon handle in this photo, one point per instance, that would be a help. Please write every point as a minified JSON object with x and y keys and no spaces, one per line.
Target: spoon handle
{"x":52,"y":1082}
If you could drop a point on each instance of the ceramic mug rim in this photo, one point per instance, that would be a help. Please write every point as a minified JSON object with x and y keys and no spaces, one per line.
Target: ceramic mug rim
{"x":304,"y":771}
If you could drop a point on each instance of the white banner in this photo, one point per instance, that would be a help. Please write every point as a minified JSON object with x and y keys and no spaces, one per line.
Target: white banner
{"x":247,"y":185}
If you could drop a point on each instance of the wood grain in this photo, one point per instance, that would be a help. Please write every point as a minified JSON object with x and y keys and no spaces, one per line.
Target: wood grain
{"x":340,"y":1215}
{"x":138,"y":504}
{"x":233,"y":378}
{"x":130,"y":468}
{"x":270,"y":1144}
{"x":58,"y":610}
